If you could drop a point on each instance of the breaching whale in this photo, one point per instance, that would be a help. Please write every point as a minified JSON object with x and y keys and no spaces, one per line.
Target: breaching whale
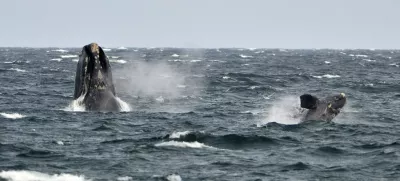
{"x":94,"y":86}
{"x":322,"y":109}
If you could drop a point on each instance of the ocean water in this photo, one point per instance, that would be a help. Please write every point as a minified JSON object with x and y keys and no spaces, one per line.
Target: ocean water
{"x":201,"y":114}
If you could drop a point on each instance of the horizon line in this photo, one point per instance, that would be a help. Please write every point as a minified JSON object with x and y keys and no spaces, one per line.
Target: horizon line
{"x":155,"y":47}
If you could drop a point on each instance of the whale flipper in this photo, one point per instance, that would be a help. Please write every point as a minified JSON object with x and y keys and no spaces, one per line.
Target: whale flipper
{"x":308,"y":101}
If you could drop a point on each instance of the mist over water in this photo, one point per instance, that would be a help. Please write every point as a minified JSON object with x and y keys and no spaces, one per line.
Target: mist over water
{"x":152,"y":79}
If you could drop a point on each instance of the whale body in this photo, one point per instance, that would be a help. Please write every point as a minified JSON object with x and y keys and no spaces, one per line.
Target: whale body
{"x":322,"y":109}
{"x":94,"y":86}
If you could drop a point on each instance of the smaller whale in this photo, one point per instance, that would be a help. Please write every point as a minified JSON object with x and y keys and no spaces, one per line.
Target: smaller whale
{"x":322,"y":109}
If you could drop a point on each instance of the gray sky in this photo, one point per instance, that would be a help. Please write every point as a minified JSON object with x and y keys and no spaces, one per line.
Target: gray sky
{"x":201,"y":23}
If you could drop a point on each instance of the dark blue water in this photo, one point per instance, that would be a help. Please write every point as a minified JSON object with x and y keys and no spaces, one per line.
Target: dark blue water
{"x":201,"y":114}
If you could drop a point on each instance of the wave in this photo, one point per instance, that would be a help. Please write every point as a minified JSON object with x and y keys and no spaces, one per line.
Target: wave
{"x":17,"y":69}
{"x":126,"y":178}
{"x":329,"y":76}
{"x":296,"y":166}
{"x":22,"y":175}
{"x":69,"y":56}
{"x":245,"y":56}
{"x":107,"y":49}
{"x":171,"y":177}
{"x":182,"y":144}
{"x":118,"y":61}
{"x":174,"y":177}
{"x":179,"y":134}
{"x":122,"y":48}
{"x":175,"y":55}
{"x":12,"y":115}
{"x":202,"y":139}
{"x":369,"y":60}
{"x":56,"y":59}
{"x":60,"y":50}
{"x":75,"y":60}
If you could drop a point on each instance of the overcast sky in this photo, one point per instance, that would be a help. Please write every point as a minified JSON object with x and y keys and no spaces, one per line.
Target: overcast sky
{"x":201,"y":23}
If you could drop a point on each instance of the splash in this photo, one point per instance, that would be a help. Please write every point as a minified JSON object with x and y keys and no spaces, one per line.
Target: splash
{"x":76,"y":105}
{"x":284,"y":111}
{"x":123,"y":105}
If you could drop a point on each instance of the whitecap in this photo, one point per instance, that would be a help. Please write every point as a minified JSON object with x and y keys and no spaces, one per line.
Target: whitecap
{"x":327,"y":62}
{"x":343,"y":53}
{"x":181,"y":86}
{"x":60,"y":143}
{"x":106,"y":49}
{"x":60,"y":50}
{"x":115,"y":57}
{"x":327,"y":76}
{"x":75,"y":60}
{"x":69,"y":56}
{"x":121,"y":48}
{"x":22,"y":175}
{"x":176,"y":60}
{"x":12,"y":115}
{"x":225,"y":77}
{"x":182,"y":144}
{"x":8,"y":62}
{"x":195,"y":60}
{"x":179,"y":134}
{"x":56,"y":59}
{"x":394,"y":64}
{"x":175,"y":55}
{"x":126,"y":178}
{"x":118,"y":61}
{"x":245,"y":56}
{"x":369,"y":60}
{"x":361,"y":56}
{"x":174,"y":177}
{"x":253,"y":87}
{"x":246,"y":64}
{"x":17,"y":69}
{"x":160,"y":99}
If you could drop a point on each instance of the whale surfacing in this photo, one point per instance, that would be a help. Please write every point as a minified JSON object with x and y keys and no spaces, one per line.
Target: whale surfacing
{"x":93,"y":82}
{"x":322,"y":109}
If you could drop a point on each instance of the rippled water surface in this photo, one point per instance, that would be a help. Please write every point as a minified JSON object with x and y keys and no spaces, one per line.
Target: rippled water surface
{"x":201,"y":114}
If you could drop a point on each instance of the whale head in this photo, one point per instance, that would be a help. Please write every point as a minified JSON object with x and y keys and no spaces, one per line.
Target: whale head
{"x":93,"y":82}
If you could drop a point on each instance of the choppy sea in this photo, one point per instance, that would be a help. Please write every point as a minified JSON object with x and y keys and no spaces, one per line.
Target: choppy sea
{"x":201,"y":114}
